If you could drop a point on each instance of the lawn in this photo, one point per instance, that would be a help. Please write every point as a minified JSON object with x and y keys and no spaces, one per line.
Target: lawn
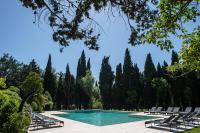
{"x":195,"y":130}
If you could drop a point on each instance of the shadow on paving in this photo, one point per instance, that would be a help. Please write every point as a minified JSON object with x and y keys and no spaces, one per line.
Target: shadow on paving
{"x":41,"y":128}
{"x":166,"y":129}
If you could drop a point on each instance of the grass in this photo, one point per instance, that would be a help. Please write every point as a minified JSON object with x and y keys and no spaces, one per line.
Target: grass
{"x":195,"y":130}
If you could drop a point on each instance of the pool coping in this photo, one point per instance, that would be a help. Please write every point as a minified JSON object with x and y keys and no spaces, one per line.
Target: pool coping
{"x":130,"y":114}
{"x":72,"y":126}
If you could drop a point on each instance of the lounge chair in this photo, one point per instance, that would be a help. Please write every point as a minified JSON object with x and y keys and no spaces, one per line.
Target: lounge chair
{"x":174,"y":122}
{"x":158,"y":110}
{"x":197,"y":109}
{"x":165,"y":120}
{"x":150,"y":110}
{"x":187,"y":110}
{"x":169,"y":109}
{"x":45,"y":121}
{"x":193,"y":119}
{"x":175,"y":111}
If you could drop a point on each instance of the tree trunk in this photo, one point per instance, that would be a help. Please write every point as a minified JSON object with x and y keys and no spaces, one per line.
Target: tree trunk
{"x":24,"y":100}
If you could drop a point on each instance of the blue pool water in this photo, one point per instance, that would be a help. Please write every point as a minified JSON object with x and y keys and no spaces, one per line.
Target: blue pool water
{"x":102,"y":118}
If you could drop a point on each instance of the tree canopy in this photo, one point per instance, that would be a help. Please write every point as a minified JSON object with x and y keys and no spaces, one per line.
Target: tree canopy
{"x":173,"y":17}
{"x":152,"y":22}
{"x":73,"y":20}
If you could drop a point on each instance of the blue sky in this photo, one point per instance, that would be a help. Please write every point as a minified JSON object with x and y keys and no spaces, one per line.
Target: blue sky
{"x":24,"y":40}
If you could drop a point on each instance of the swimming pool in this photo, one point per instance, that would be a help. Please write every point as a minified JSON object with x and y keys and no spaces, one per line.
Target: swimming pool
{"x":102,"y":118}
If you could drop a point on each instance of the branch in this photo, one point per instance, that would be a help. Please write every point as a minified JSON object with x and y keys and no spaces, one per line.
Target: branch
{"x":178,"y":76}
{"x":179,"y":12}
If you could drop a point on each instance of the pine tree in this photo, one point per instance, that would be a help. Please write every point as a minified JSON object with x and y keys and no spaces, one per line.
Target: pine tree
{"x":149,"y":74}
{"x":49,"y":79}
{"x":106,"y":78}
{"x":33,"y":66}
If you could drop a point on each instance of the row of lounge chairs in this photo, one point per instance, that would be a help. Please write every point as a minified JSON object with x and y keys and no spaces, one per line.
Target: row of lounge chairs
{"x":40,"y":121}
{"x":171,"y":110}
{"x":178,"y":121}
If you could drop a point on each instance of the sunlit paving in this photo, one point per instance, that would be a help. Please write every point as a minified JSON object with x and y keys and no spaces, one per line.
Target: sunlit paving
{"x":100,"y":66}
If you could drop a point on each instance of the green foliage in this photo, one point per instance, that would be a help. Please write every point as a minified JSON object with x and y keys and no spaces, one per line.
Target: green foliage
{"x":189,"y":53}
{"x":173,"y":14}
{"x":171,"y":21}
{"x":194,"y":130}
{"x":96,"y":104}
{"x":2,"y":83}
{"x":87,"y":83}
{"x":10,"y":120}
{"x":33,"y":82}
{"x":96,"y":98}
{"x":10,"y":70}
{"x":48,"y":103}
{"x":91,"y":91}
{"x":18,"y":122}
{"x":9,"y":102}
{"x":14,"y":89}
{"x":162,"y":91}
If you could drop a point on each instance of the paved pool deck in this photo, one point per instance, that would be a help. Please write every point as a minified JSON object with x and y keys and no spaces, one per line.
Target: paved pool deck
{"x":72,"y":126}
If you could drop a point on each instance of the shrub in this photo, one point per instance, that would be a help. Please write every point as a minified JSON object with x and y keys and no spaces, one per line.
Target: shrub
{"x":10,"y":120}
{"x":17,"y":123}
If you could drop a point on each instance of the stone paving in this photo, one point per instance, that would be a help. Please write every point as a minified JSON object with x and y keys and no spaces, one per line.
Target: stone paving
{"x":72,"y":126}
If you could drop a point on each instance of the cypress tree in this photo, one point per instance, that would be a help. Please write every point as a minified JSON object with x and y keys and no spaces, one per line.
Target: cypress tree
{"x":106,"y":78}
{"x":59,"y":97}
{"x":140,"y":93}
{"x":128,"y":74}
{"x":170,"y":99}
{"x":174,"y":58}
{"x":88,"y":64}
{"x":178,"y":84}
{"x":118,"y":88}
{"x":81,"y":68}
{"x":72,"y":91}
{"x":193,"y":83}
{"x":149,"y":74}
{"x":67,"y":88}
{"x":49,"y":79}
{"x":81,"y":72}
{"x":137,"y":85}
{"x":159,"y":70}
